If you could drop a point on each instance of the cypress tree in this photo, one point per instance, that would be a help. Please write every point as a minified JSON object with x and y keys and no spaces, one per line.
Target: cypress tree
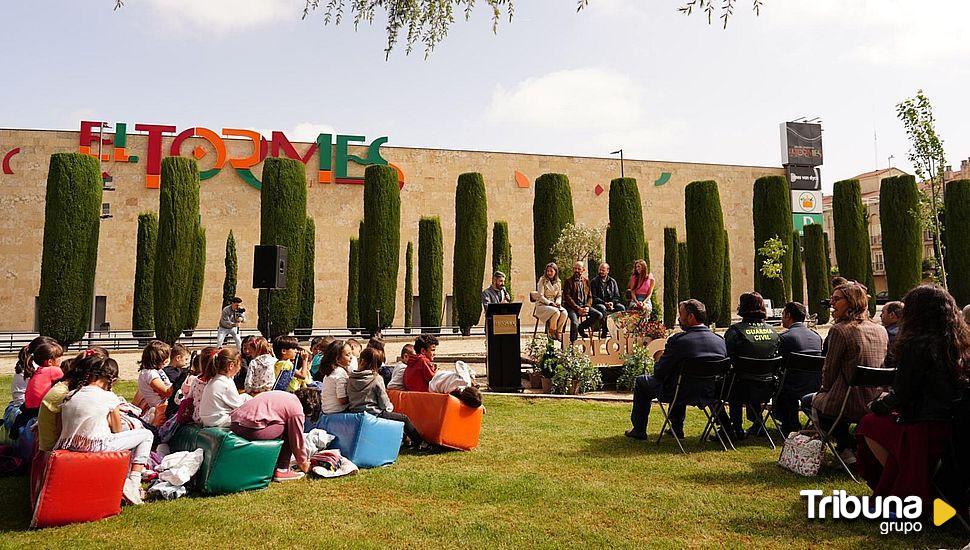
{"x":381,"y":248}
{"x":852,"y":250}
{"x":671,"y":276}
{"x":797,"y":275}
{"x":353,"y":270}
{"x":956,"y":201}
{"x":705,"y":244}
{"x":771,"y":211}
{"x":198,"y":280}
{"x":683,"y":273}
{"x":502,"y":252}
{"x":624,"y":239}
{"x":471,"y":243}
{"x":70,"y":255}
{"x":724,"y":311}
{"x":307,"y":279}
{"x":408,"y":284}
{"x":816,"y":271}
{"x":232,"y":268}
{"x":552,"y":210}
{"x":283,"y":222}
{"x":143,"y":310}
{"x":178,"y":223}
{"x":430,"y":269}
{"x":828,"y":254}
{"x":360,"y":267}
{"x":902,"y":234}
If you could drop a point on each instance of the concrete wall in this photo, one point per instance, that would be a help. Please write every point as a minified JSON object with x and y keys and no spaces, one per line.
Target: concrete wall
{"x":229,"y":203}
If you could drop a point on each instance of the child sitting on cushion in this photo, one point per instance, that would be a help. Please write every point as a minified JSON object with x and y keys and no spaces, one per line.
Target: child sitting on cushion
{"x":333,"y":374}
{"x":261,"y":373}
{"x":220,"y":396}
{"x":49,"y":414}
{"x":280,"y":415}
{"x":317,"y":348}
{"x":42,"y":370}
{"x":154,"y":385}
{"x":421,"y":367}
{"x":287,"y":348}
{"x":397,"y":374}
{"x":366,"y":393}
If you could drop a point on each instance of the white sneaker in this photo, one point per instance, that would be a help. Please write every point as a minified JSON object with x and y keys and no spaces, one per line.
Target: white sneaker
{"x":847,"y":456}
{"x":132,"y":492}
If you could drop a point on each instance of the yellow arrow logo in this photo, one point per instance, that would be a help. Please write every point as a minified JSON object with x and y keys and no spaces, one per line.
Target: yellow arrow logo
{"x":942,"y":512}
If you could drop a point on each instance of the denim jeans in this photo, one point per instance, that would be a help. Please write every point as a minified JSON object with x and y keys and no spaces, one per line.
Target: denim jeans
{"x":223,"y":332}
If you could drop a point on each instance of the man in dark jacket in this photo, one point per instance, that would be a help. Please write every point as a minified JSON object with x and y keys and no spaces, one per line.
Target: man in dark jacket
{"x":695,"y":342}
{"x":797,"y":339}
{"x":606,"y":295}
{"x":578,"y":299}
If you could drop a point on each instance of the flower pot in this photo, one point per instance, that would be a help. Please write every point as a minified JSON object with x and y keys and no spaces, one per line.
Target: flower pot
{"x":535,"y":380}
{"x":546,"y":384}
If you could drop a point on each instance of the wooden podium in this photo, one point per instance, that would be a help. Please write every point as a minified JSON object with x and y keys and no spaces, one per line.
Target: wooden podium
{"x":504,"y":356}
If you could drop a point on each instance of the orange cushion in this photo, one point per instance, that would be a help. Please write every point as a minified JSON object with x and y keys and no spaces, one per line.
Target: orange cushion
{"x":79,"y":487}
{"x":440,"y":418}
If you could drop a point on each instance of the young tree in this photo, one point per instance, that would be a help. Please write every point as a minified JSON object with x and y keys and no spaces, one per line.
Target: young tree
{"x":683,"y":273}
{"x":671,"y":276}
{"x":552,"y":211}
{"x":408,"y":285}
{"x":143,"y":310}
{"x":816,"y":272}
{"x":724,"y":311}
{"x":771,"y":212}
{"x":502,"y":252}
{"x":902,"y":234}
{"x":471,"y":244}
{"x":957,"y":202}
{"x":72,"y":226}
{"x":198,"y":280}
{"x":232,"y":266}
{"x":624,"y":239}
{"x":353,"y":271}
{"x":178,"y":223}
{"x":852,"y":250}
{"x":307,"y":278}
{"x":797,"y":274}
{"x":430,"y":277}
{"x":381,"y":247}
{"x":576,"y":243}
{"x":705,"y":246}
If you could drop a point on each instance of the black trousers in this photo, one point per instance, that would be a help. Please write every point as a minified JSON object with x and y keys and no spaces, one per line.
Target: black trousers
{"x":409,"y":430}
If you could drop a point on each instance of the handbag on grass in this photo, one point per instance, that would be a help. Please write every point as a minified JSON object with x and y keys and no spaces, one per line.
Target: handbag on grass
{"x":801,"y":454}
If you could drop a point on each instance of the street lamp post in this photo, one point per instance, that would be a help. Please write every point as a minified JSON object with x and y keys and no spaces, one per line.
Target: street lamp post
{"x":620,"y":151}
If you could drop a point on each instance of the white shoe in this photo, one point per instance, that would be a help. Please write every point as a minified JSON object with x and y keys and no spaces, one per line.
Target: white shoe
{"x":132,"y":492}
{"x":847,"y":456}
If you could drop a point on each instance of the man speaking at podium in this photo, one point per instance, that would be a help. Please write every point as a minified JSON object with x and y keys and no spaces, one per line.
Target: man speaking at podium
{"x":496,"y":294}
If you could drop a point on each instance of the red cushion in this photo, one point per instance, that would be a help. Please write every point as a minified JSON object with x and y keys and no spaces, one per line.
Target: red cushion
{"x":79,"y":487}
{"x":440,"y":418}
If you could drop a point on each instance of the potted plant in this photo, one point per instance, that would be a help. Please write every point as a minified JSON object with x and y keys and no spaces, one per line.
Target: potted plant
{"x":540,"y":350}
{"x":635,"y":363}
{"x":572,"y":372}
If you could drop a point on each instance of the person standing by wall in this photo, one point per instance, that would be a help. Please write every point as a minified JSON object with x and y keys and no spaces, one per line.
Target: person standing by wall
{"x":232,"y":316}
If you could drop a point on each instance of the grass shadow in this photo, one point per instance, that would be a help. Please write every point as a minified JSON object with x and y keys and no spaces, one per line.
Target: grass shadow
{"x":14,"y":501}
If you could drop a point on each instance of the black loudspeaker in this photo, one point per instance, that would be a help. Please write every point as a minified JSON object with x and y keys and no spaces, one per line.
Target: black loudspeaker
{"x":269,"y":266}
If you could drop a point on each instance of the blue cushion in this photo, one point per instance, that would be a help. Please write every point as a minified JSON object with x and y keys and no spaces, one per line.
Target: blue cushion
{"x":362,"y":438}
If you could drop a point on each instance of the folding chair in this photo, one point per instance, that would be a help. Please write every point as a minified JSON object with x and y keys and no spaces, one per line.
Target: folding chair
{"x":803,"y":364}
{"x":756,"y":380}
{"x":696,"y":376}
{"x":862,"y":377}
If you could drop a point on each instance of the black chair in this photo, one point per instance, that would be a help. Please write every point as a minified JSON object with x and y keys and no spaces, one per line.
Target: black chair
{"x":755,"y":381}
{"x":862,"y":377}
{"x":797,"y":370}
{"x":701,"y":384}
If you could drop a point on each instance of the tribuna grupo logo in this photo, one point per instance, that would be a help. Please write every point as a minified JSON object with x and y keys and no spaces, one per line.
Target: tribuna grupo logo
{"x":896,"y":514}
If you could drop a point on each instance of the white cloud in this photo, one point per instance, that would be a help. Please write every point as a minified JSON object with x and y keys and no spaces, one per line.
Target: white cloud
{"x":225,"y":15}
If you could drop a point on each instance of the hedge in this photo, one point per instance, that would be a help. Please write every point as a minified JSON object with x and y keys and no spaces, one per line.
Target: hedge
{"x":816,"y":271}
{"x":72,"y":224}
{"x":178,"y":222}
{"x":198,"y":280}
{"x":430,"y":271}
{"x":232,"y":270}
{"x":471,"y":244}
{"x":797,"y":273}
{"x":409,"y":284}
{"x":552,"y":210}
{"x":852,"y":250}
{"x":308,"y":278}
{"x":283,"y":222}
{"x":381,"y":247}
{"x":683,"y":273}
{"x":624,"y":241}
{"x":705,"y":244}
{"x":353,"y":271}
{"x":143,"y":309}
{"x":902,"y":234}
{"x":771,"y":213}
{"x":956,"y":200}
{"x":724,"y":310}
{"x":502,"y":252}
{"x":671,"y":276}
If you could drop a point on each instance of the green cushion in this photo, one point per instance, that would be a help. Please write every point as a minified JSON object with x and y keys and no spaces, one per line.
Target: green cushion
{"x":230,"y":463}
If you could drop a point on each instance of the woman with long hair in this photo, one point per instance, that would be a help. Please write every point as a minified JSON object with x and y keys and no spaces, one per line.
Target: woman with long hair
{"x":907,"y":431}
{"x":549,"y":308}
{"x":641,"y":287}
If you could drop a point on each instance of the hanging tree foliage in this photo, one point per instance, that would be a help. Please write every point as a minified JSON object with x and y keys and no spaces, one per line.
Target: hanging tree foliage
{"x":143,"y":308}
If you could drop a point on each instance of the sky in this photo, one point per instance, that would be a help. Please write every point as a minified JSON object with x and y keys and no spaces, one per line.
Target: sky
{"x":634,"y":74}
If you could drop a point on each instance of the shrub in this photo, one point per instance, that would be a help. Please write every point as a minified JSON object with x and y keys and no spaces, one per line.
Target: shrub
{"x":408,"y":284}
{"x":771,"y":211}
{"x":353,"y":270}
{"x":797,"y":275}
{"x":381,"y":248}
{"x":705,"y":244}
{"x":307,"y":279}
{"x":671,"y":276}
{"x":725,"y":308}
{"x":430,"y":262}
{"x":572,"y":372}
{"x":471,"y":245}
{"x":902,"y":234}
{"x":502,"y":252}
{"x":143,"y":308}
{"x":70,"y":255}
{"x":635,"y":363}
{"x":198,"y":280}
{"x":683,"y":273}
{"x":624,"y":240}
{"x":232,"y":267}
{"x":541,"y":349}
{"x":816,"y":272}
{"x":178,"y":222}
{"x":283,"y":222}
{"x":852,"y":250}
{"x":552,"y":210}
{"x":956,"y":200}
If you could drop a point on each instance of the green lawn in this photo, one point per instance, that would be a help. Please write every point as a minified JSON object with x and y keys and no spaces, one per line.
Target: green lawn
{"x":547,"y":473}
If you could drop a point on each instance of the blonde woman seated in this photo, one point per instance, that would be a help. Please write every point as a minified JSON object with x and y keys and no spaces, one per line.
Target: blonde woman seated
{"x":549,"y":308}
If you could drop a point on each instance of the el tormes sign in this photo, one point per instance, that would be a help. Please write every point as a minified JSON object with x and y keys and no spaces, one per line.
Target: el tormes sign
{"x":332,"y":155}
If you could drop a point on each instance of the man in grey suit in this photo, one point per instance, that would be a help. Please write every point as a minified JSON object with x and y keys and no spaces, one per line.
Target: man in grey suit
{"x":797,"y":339}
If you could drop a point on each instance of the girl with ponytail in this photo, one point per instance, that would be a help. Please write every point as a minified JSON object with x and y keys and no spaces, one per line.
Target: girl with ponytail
{"x":19,"y":385}
{"x":49,"y":414}
{"x":42,"y":369}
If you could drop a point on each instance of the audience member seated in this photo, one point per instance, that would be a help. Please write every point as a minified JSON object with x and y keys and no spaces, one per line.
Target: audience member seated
{"x":318,"y":346}
{"x":177,"y":371}
{"x":203,"y":363}
{"x":421,"y":367}
{"x":697,"y":341}
{"x":367,"y":393}
{"x":42,"y":370}
{"x":220,"y":396}
{"x":459,"y":383}
{"x":853,"y":341}
{"x":797,"y":339}
{"x":154,"y":385}
{"x":497,"y":293}
{"x":280,"y":415}
{"x":904,"y":436}
{"x":641,"y":287}
{"x":291,"y":362}
{"x":890,"y":315}
{"x":397,"y":374}
{"x":91,"y":422}
{"x":549,"y":308}
{"x":49,"y":414}
{"x":606,"y":296}
{"x":578,"y":300}
{"x":261,"y":370}
{"x":333,"y":374}
{"x":754,"y":339}
{"x":19,"y":383}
